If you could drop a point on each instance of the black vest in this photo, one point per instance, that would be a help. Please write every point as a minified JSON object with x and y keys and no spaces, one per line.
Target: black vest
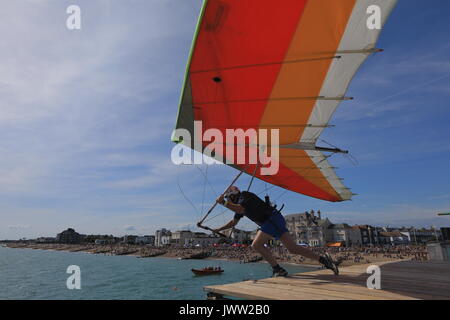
{"x":255,"y":208}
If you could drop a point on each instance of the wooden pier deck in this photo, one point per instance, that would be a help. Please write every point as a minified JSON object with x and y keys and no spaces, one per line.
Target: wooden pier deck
{"x":404,"y":280}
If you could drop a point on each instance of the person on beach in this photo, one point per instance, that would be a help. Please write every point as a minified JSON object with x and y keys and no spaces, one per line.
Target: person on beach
{"x":272,"y":225}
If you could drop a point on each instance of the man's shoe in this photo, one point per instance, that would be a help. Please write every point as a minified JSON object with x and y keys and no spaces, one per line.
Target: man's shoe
{"x":328,"y":263}
{"x":279,"y":272}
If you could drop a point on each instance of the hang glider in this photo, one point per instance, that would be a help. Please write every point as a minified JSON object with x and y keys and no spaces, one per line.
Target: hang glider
{"x":279,"y":64}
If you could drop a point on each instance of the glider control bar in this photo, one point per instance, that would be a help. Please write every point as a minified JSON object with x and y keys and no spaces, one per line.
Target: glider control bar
{"x":212,"y":230}
{"x":199,"y":224}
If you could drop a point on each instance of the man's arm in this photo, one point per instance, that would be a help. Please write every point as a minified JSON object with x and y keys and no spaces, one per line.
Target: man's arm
{"x":230,"y":205}
{"x":229,"y":225}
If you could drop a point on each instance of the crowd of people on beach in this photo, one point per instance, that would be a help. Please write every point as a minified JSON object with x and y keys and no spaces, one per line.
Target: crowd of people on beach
{"x":347,"y":255}
{"x":355,"y":255}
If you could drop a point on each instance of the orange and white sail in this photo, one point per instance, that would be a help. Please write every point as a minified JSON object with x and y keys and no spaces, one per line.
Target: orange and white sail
{"x":280,"y":64}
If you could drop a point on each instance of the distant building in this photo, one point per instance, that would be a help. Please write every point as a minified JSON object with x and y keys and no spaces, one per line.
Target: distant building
{"x":369,"y":235}
{"x":162,"y":237}
{"x":311,"y":229}
{"x":421,"y":236}
{"x":129,"y":239}
{"x":69,"y":236}
{"x":393,"y":238}
{"x":181,"y":238}
{"x":253,"y":234}
{"x":202,"y":239}
{"x":308,"y":228}
{"x":150,"y":240}
{"x":344,"y":234}
{"x":240,"y":236}
{"x":45,"y":240}
{"x":91,"y":238}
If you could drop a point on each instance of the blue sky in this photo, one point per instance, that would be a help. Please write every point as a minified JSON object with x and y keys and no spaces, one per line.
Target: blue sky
{"x":86,"y":118}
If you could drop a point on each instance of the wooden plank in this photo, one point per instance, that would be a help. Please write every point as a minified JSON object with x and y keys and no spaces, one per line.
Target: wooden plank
{"x":399,"y":280}
{"x":333,"y":291}
{"x":360,"y":288}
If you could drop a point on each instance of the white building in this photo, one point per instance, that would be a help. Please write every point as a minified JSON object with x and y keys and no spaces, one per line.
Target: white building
{"x":150,"y":240}
{"x":308,"y":228}
{"x":162,"y":237}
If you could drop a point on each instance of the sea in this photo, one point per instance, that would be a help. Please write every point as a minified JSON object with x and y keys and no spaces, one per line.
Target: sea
{"x":29,"y":274}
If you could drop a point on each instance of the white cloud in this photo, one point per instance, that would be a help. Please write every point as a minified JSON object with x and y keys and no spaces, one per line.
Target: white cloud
{"x":86,"y":111}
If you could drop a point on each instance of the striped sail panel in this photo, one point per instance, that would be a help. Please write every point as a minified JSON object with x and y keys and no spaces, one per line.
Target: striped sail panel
{"x":357,"y":37}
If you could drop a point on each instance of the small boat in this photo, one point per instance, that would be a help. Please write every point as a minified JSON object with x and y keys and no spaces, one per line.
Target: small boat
{"x":207,"y":271}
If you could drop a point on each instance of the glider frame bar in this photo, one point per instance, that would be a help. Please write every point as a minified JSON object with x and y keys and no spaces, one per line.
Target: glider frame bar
{"x":263,"y":64}
{"x":199,"y":224}
{"x":280,"y":125}
{"x":339,"y":98}
{"x":307,"y":146}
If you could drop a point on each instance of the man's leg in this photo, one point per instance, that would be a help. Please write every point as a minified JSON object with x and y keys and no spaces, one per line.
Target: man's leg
{"x":294,"y":248}
{"x":325,"y":259}
{"x":258,"y":244}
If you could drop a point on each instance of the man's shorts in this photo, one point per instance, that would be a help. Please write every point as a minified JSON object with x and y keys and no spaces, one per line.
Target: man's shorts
{"x":275,"y":226}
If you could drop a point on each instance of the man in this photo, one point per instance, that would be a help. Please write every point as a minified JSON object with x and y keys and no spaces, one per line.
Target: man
{"x":272,"y":225}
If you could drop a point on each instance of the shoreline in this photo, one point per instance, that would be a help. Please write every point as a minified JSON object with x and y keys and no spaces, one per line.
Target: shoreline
{"x":241,"y":255}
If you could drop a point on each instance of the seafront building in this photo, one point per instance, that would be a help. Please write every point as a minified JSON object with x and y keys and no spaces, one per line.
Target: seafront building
{"x":129,"y":239}
{"x":147,"y":240}
{"x":311,"y":229}
{"x":308,"y":228}
{"x":394,"y":237}
{"x":369,"y":235}
{"x":162,"y":237}
{"x":181,"y":238}
{"x":241,"y":236}
{"x":69,"y":236}
{"x":344,"y":234}
{"x":201,"y":239}
{"x":186,"y":238}
{"x":45,"y":240}
{"x":422,"y":235}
